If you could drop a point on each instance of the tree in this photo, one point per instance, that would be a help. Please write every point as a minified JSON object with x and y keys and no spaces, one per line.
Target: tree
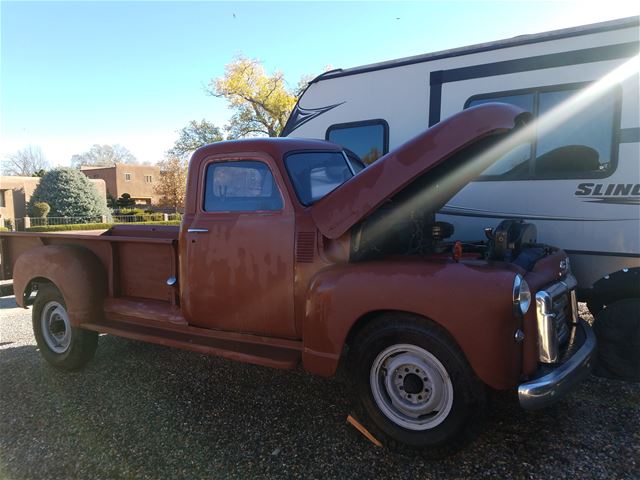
{"x":261,"y":103}
{"x":103,"y":156}
{"x":26,"y":162}
{"x":125,"y":201}
{"x":172,"y":185}
{"x":195,"y":135}
{"x":69,"y":193}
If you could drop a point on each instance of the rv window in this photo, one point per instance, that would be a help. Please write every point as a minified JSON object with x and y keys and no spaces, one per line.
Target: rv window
{"x":368,"y":139}
{"x":581,"y":147}
{"x":581,"y":144}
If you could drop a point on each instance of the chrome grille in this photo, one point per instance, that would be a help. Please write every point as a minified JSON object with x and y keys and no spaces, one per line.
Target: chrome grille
{"x":560,"y":306}
{"x":555,"y":312}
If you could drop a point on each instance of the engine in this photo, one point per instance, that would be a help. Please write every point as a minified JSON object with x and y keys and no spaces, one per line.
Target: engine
{"x":508,"y":240}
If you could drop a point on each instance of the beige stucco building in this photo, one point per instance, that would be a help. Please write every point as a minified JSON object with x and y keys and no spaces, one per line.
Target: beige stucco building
{"x":15,"y":193}
{"x":139,"y":181}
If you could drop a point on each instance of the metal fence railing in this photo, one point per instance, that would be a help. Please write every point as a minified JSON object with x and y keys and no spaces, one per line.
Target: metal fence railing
{"x":21,"y":224}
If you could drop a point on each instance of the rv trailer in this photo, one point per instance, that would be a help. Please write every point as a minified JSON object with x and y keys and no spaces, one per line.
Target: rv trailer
{"x":578,"y":180}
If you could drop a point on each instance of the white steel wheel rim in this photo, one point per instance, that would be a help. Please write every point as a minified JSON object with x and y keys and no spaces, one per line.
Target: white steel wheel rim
{"x":55,"y":327}
{"x":411,"y":387}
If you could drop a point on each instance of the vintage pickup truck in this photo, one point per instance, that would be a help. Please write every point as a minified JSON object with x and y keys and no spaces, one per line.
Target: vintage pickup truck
{"x":288,"y":254}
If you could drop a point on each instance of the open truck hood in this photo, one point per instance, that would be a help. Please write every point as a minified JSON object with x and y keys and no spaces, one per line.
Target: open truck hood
{"x":361,"y":195}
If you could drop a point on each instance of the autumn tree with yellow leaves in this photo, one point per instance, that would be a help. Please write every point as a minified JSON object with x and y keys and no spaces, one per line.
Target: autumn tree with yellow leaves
{"x":261,"y":103}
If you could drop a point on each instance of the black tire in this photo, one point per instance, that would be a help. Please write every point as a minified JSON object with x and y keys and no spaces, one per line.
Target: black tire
{"x":78,"y":346}
{"x":617,"y":328}
{"x":459,"y":419}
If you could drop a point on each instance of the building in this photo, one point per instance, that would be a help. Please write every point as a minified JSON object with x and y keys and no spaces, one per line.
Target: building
{"x":15,"y":193}
{"x":139,"y":181}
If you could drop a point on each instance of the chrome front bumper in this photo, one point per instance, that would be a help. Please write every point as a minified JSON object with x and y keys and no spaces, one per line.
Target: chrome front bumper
{"x":554,"y":382}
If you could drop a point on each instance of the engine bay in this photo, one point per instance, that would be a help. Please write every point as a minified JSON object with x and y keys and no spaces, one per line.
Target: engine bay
{"x":388,"y":233}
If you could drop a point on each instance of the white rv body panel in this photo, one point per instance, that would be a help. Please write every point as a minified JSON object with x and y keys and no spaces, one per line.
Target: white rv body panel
{"x":602,"y":237}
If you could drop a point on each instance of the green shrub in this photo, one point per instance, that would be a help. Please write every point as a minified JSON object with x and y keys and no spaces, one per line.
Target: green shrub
{"x":69,"y":193}
{"x":92,"y":226}
{"x":73,"y":226}
{"x":4,"y":229}
{"x":125,"y":201}
{"x":39,"y":209}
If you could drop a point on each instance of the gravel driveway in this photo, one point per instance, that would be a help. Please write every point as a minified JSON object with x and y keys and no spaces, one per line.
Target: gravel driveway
{"x":146,"y":411}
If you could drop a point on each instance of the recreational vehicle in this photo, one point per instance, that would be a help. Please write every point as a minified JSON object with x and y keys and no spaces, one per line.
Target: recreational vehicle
{"x":578,"y":175}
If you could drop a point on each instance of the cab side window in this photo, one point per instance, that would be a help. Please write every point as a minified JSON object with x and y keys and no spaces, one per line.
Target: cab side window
{"x":241,"y":186}
{"x":582,"y":146}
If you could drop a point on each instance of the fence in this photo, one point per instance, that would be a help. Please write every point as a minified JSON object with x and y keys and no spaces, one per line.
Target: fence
{"x":21,"y":224}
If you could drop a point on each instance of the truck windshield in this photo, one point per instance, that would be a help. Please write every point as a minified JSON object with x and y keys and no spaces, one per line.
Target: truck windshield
{"x":314,"y":174}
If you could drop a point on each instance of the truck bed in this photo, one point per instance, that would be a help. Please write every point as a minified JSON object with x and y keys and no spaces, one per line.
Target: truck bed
{"x":138,"y":259}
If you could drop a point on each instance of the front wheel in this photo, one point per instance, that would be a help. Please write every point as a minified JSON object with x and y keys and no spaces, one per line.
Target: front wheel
{"x":415,"y":386}
{"x":62,"y":345}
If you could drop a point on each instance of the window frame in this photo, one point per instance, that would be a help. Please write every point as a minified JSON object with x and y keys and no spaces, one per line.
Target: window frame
{"x":216,"y":161}
{"x":128,"y":176}
{"x":536,"y":91}
{"x":148,"y":179}
{"x":362,"y":123}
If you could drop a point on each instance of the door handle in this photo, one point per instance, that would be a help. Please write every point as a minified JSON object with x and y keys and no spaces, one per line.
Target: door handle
{"x":197,"y":230}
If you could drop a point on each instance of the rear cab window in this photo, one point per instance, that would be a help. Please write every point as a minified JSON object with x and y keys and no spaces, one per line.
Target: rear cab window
{"x":368,"y":139}
{"x":315,"y":174}
{"x":583,"y":146}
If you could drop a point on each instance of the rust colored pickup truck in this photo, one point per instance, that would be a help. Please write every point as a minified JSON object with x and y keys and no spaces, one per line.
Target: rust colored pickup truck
{"x":291,"y":253}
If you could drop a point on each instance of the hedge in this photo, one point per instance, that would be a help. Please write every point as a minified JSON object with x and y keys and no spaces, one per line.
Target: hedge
{"x":94,"y":226}
{"x":4,"y":229}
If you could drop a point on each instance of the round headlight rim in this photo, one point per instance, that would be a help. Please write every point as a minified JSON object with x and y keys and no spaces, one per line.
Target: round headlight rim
{"x":521,"y":295}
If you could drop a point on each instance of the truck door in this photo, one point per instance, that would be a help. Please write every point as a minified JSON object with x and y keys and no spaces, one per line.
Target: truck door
{"x":576,"y":181}
{"x":239,"y":252}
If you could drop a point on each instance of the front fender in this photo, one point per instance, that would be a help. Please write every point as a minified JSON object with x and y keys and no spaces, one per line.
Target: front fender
{"x":472,"y":302}
{"x":75,"y":271}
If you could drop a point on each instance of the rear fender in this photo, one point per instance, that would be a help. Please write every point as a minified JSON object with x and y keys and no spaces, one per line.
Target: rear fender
{"x":75,"y":271}
{"x":473,"y":303}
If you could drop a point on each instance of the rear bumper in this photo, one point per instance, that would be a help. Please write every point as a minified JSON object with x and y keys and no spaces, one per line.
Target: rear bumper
{"x":554,"y":382}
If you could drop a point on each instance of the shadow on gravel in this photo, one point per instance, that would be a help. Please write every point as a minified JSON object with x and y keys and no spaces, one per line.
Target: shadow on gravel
{"x":146,"y":411}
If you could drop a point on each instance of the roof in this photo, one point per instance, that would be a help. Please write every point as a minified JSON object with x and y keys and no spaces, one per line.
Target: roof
{"x":274,"y":146}
{"x":485,"y":47}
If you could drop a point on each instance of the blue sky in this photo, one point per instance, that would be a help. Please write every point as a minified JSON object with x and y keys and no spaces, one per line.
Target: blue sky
{"x":77,"y":73}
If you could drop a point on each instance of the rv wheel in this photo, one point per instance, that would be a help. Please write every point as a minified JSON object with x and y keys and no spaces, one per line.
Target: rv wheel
{"x":617,"y":328}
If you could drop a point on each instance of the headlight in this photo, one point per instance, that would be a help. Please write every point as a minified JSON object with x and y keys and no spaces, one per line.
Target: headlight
{"x":521,"y":295}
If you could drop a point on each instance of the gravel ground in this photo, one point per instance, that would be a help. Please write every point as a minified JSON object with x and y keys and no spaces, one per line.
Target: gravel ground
{"x":146,"y":411}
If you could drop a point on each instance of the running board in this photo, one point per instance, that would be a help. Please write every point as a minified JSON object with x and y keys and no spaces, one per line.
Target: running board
{"x":242,"y":351}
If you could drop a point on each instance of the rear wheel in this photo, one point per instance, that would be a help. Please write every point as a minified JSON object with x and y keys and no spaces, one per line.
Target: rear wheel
{"x":415,"y":386}
{"x":62,"y":345}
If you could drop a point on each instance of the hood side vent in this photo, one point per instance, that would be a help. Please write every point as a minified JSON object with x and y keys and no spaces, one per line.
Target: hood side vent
{"x":305,"y":246}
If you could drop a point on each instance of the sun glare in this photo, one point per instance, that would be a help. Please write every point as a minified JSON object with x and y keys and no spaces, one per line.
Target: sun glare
{"x":436,"y":193}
